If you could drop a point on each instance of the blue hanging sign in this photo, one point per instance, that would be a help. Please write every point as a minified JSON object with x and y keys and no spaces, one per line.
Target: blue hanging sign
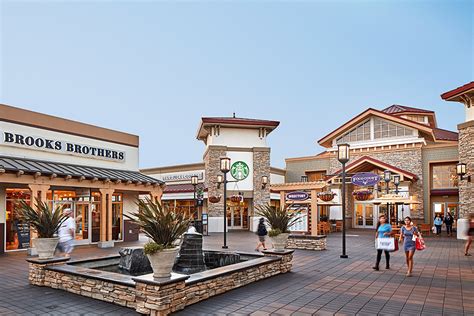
{"x":364,"y":179}
{"x":297,"y":196}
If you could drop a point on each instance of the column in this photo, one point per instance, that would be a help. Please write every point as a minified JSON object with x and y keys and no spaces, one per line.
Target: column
{"x":314,"y":213}
{"x":106,"y":218}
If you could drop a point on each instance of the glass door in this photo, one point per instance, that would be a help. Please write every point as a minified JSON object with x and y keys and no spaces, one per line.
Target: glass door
{"x":81,"y":216}
{"x":364,"y":216}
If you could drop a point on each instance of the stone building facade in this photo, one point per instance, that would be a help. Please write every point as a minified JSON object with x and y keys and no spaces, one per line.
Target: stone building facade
{"x":466,"y":154}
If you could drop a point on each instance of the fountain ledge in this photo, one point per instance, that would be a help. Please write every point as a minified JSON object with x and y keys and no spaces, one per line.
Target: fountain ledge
{"x":154,"y":296}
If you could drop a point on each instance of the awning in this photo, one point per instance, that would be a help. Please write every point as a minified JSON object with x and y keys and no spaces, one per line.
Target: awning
{"x":183,"y":188}
{"x":57,"y":169}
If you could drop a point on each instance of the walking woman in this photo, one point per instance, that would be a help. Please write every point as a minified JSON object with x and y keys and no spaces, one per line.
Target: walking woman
{"x":470,"y":235}
{"x":438,"y":222}
{"x":261,"y":233}
{"x":409,"y":246}
{"x":384,"y":230}
{"x":448,"y":221}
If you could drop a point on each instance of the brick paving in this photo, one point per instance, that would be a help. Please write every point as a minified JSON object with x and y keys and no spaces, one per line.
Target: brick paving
{"x":320,"y":284}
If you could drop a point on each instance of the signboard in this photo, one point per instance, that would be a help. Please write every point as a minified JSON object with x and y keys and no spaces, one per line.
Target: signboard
{"x":60,"y":146}
{"x":364,"y":179}
{"x":204,"y":219}
{"x":297,"y":196}
{"x":23,"y":233}
{"x":239,"y":170}
{"x":183,"y":176}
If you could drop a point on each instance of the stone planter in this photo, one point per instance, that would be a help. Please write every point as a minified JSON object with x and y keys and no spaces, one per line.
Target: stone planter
{"x":45,"y":247}
{"x":162,"y":262}
{"x":279,"y":241}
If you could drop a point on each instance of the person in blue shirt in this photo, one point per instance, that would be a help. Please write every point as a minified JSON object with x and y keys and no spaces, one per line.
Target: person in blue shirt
{"x":384,"y":230}
{"x":438,"y":222}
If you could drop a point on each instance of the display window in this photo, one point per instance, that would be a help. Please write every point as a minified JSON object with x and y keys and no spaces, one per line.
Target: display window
{"x":17,"y":233}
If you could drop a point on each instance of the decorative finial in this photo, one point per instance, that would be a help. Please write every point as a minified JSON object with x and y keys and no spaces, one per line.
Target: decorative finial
{"x":233,"y":115}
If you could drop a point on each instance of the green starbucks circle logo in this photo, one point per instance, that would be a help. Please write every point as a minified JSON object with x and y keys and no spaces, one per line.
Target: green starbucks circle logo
{"x":239,"y":170}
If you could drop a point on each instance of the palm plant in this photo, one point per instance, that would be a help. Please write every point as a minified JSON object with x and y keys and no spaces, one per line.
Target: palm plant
{"x":44,"y":220}
{"x":279,"y":219}
{"x":159,"y":223}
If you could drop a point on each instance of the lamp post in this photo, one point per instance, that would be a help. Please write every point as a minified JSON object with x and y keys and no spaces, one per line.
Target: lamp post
{"x":386,"y":177}
{"x":225,"y":168}
{"x":194,"y":182}
{"x":343,"y":157}
{"x":396,"y":181}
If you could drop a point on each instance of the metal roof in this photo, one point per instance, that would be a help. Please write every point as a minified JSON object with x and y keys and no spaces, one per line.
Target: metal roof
{"x":11,"y":164}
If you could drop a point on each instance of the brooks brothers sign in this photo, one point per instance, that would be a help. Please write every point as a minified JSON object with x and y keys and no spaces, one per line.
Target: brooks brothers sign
{"x":42,"y":143}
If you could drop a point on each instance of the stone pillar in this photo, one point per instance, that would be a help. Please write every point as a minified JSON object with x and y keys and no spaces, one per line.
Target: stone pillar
{"x":261,"y":167}
{"x":212,"y":170}
{"x":36,"y":271}
{"x":314,"y":213}
{"x":286,"y":258}
{"x":466,"y":155}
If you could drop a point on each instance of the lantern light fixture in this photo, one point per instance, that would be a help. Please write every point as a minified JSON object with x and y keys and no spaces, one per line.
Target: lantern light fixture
{"x":343,"y":154}
{"x":264,"y":181}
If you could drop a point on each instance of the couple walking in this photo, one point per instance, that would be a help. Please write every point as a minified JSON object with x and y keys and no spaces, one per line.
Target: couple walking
{"x":384,"y":230}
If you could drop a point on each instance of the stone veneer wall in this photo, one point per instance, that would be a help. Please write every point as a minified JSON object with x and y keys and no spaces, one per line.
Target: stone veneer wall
{"x":261,"y":167}
{"x":409,"y":159}
{"x":162,"y":297}
{"x":212,"y":170}
{"x":305,"y":242}
{"x":466,"y":155}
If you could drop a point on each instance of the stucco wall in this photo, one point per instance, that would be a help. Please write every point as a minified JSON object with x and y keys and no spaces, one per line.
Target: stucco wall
{"x":296,"y":169}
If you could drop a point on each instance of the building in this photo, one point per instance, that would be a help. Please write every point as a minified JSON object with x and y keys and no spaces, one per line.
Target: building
{"x":244,"y":141}
{"x":90,"y":169}
{"x":403,"y":140}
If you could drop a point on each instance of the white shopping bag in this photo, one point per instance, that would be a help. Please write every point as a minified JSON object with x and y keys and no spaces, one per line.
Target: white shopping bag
{"x":385,"y":243}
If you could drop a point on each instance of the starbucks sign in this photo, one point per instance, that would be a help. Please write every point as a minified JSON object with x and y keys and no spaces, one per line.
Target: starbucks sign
{"x":239,"y":170}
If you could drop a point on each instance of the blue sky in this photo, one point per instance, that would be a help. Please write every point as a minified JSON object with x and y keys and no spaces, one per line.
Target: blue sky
{"x":153,"y":68}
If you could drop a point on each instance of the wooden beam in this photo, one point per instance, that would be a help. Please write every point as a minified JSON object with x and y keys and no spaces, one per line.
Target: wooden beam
{"x":20,"y":173}
{"x":37,"y":175}
{"x":53,"y":176}
{"x":81,"y":178}
{"x":68,"y":177}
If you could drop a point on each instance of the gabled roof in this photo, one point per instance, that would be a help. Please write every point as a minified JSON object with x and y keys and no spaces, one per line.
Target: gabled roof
{"x":326,"y":141}
{"x":365,"y":162}
{"x":234,"y":122}
{"x":396,"y":108}
{"x":454,"y":94}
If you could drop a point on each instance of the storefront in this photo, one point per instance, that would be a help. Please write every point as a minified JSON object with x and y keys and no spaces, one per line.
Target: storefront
{"x":64,"y":163}
{"x":244,"y":142}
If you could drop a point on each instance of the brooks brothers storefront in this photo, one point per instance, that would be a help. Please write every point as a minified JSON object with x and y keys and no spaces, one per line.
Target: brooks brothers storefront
{"x":92,"y":170}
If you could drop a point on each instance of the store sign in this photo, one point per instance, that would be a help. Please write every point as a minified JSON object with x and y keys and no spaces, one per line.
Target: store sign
{"x":59,"y":146}
{"x":239,"y":170}
{"x":364,"y":179}
{"x":182,"y":176}
{"x":297,"y":196}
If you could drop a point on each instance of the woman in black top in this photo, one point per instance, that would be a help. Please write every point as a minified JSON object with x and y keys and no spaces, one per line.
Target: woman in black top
{"x":261,"y":233}
{"x":448,"y":221}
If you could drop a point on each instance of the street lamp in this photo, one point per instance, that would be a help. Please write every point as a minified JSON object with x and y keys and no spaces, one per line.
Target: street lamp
{"x":194,"y":182}
{"x":396,"y":181}
{"x":225,"y":168}
{"x":343,"y":156}
{"x":386,"y":177}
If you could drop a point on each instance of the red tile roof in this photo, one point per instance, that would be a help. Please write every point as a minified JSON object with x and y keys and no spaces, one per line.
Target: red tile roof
{"x":458,"y":90}
{"x":396,"y":108}
{"x":442,"y":134}
{"x":181,"y":188}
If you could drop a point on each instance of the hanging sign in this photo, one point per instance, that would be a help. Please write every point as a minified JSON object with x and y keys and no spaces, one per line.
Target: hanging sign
{"x":239,"y":170}
{"x":297,"y":196}
{"x":364,"y":179}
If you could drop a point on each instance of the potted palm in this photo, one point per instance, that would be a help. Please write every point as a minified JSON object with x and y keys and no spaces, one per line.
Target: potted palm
{"x":165,"y":228}
{"x":280,"y":220}
{"x":46,"y":222}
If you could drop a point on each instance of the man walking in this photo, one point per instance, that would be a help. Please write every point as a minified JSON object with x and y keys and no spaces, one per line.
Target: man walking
{"x":66,"y":234}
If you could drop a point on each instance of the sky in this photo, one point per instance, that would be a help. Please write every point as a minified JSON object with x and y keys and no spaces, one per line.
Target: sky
{"x":154,"y":68}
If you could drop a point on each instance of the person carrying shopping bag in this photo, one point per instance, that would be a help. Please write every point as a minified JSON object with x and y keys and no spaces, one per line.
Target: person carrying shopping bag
{"x":409,"y":245}
{"x":438,"y":222}
{"x":384,"y":230}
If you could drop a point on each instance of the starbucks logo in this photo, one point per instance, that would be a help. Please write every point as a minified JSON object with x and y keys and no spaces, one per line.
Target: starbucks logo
{"x":239,"y":170}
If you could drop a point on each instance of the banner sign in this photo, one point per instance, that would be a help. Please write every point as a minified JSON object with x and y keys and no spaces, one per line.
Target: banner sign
{"x":364,"y":179}
{"x":60,"y":146}
{"x":297,"y":196}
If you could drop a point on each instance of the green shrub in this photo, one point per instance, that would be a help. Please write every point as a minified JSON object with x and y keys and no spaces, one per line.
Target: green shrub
{"x":44,"y":220}
{"x":160,"y":224}
{"x":152,"y":247}
{"x":274,"y":232}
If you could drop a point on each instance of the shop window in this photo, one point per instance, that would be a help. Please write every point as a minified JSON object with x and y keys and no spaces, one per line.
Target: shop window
{"x":315,"y":175}
{"x":17,"y":232}
{"x":117,"y":216}
{"x":385,"y":129}
{"x":444,"y":176}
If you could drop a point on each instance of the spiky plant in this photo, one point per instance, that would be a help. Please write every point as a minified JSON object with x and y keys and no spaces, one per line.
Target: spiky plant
{"x":44,"y":220}
{"x":162,"y":225}
{"x":279,"y":219}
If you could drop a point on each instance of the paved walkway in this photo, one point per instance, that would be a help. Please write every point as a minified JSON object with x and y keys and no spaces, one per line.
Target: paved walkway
{"x":320,"y":283}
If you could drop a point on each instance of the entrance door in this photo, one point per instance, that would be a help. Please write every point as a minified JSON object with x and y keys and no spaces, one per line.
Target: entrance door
{"x":81,"y":216}
{"x":234,"y":217}
{"x":364,"y":216}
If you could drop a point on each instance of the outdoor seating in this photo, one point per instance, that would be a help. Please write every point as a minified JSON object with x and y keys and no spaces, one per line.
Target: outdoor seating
{"x":425,"y":229}
{"x":338,"y":226}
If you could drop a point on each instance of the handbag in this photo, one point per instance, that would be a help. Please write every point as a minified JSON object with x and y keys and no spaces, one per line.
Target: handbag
{"x":385,"y":244}
{"x":433,"y":229}
{"x":420,"y":244}
{"x":396,"y":245}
